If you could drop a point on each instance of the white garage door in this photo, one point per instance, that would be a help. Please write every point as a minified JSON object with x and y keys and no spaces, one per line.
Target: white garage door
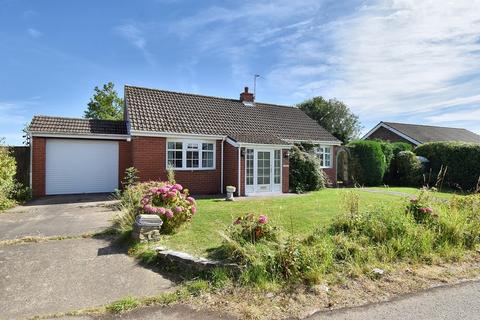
{"x":81,"y":166}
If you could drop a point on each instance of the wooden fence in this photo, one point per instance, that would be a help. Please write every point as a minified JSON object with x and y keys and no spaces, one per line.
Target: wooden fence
{"x":22,"y":156}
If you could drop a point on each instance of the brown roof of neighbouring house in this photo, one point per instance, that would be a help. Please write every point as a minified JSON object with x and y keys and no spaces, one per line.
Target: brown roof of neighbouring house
{"x":166,"y":111}
{"x":76,"y":126}
{"x":424,"y":133}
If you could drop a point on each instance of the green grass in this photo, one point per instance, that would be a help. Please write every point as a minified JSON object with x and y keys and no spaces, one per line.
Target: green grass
{"x":446,"y":194}
{"x":296,"y":214}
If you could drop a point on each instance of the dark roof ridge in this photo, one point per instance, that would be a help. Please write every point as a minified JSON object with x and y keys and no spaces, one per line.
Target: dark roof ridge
{"x":73,"y":118}
{"x":423,"y":125}
{"x":207,"y":96}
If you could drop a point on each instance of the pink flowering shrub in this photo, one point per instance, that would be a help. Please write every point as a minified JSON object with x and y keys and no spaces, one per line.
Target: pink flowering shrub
{"x":171,"y":202}
{"x":420,"y":207}
{"x":252,"y":228}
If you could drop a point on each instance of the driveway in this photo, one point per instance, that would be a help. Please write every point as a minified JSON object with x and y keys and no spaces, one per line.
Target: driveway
{"x":450,"y":302}
{"x":64,"y":275}
{"x":57,"y":216}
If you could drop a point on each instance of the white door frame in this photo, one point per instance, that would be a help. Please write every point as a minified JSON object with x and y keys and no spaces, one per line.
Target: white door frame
{"x":273,"y":187}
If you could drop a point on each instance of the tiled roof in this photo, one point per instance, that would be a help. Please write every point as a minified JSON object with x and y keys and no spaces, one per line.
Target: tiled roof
{"x":424,"y":134}
{"x":46,"y":124}
{"x":165,"y":111}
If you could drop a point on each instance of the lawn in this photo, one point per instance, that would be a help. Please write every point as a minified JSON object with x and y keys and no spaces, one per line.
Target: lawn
{"x":296,"y":214}
{"x":446,"y":194}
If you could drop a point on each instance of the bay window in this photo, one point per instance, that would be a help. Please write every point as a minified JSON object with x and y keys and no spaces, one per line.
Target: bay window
{"x":324,"y":153}
{"x":191,"y":155}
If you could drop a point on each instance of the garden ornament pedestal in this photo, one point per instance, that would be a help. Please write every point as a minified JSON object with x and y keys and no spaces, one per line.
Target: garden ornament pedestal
{"x":147,"y":228}
{"x":230,"y":191}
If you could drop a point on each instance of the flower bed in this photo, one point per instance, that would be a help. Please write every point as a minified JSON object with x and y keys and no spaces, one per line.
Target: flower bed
{"x":172,"y":203}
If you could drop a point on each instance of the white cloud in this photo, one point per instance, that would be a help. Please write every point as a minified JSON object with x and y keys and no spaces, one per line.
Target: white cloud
{"x":34,"y":33}
{"x":400,"y":60}
{"x":457,"y":116}
{"x":135,"y":35}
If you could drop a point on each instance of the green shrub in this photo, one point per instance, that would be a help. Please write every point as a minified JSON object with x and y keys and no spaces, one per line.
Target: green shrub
{"x":406,"y":170}
{"x":400,"y":146}
{"x":461,"y":161}
{"x":130,"y":178}
{"x":8,"y":169}
{"x":250,"y":228}
{"x":171,"y":203}
{"x":367,"y":162}
{"x":305,"y":171}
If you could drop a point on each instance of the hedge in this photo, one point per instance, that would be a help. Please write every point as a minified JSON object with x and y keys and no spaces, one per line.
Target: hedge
{"x":407,"y":170}
{"x":462,"y":161}
{"x":367,"y":162}
{"x":305,"y":173}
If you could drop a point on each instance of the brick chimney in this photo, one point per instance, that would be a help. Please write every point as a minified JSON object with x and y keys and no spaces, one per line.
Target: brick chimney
{"x":246,"y":96}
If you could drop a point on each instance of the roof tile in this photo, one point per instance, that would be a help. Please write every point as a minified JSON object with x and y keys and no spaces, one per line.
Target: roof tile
{"x":167,"y":111}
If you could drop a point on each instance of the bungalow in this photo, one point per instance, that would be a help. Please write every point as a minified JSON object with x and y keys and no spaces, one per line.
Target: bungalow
{"x":416,"y":134}
{"x":210,"y":142}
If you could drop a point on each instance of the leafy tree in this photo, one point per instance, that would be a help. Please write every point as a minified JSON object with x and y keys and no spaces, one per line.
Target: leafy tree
{"x":334,"y":116}
{"x":105,"y":104}
{"x":26,"y":135}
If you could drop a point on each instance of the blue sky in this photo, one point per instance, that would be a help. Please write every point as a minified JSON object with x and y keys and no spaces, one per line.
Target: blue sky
{"x":396,"y":60}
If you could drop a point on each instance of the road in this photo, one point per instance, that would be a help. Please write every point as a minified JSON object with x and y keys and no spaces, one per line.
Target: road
{"x":460,"y":301}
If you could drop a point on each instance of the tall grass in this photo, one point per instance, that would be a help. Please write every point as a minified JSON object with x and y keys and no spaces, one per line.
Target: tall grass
{"x":360,"y":240}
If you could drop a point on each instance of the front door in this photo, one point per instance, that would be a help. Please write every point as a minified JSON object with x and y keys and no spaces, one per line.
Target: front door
{"x":263,"y":169}
{"x":264,"y":173}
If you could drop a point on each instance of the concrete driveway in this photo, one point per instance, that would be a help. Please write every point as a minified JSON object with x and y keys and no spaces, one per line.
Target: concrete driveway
{"x":58,"y":216}
{"x":71,"y":274}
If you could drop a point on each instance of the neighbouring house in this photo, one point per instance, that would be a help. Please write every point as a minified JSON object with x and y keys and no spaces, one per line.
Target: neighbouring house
{"x":210,"y":142}
{"x":416,"y":134}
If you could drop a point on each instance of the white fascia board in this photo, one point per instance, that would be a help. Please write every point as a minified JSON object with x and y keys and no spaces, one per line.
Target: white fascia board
{"x":232,"y":142}
{"x":383,"y":125}
{"x":268,"y":146}
{"x":258,"y":145}
{"x":82,"y":136}
{"x":325,"y":143}
{"x":138,"y":133}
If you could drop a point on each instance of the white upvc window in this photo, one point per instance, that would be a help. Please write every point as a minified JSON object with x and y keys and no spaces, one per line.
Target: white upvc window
{"x":324,"y":153}
{"x":191,"y":155}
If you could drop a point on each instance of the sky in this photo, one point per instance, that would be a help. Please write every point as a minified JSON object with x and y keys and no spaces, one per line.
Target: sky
{"x":392,"y":60}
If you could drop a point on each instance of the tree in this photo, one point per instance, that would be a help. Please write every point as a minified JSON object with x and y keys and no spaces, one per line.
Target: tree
{"x":334,"y":116}
{"x":26,"y":134}
{"x":105,"y":104}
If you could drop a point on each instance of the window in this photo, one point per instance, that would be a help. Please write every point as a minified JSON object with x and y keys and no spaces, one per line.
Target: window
{"x":250,"y":167}
{"x":191,"y":155}
{"x":175,"y":154}
{"x":207,"y":155}
{"x":277,"y":169}
{"x":263,"y":167}
{"x":324,"y":153}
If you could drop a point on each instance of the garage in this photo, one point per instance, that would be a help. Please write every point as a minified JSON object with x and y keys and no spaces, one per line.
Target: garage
{"x":80,"y":166}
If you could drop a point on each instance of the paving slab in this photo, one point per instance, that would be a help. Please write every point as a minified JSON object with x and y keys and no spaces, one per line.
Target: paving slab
{"x":65,"y":275}
{"x":176,"y":312}
{"x":58,"y":216}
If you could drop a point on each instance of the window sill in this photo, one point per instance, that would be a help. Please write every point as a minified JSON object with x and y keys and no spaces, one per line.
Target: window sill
{"x":193,"y":169}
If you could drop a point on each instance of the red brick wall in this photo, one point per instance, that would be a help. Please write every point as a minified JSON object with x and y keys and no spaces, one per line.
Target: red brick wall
{"x":332,"y":172}
{"x":230,"y":166}
{"x":285,"y":172}
{"x":38,"y":166}
{"x":149,"y":157}
{"x":124,"y":159}
{"x":387,"y":135}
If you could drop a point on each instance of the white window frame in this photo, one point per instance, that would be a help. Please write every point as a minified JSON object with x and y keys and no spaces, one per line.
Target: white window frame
{"x":320,"y":153}
{"x":185,"y":143}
